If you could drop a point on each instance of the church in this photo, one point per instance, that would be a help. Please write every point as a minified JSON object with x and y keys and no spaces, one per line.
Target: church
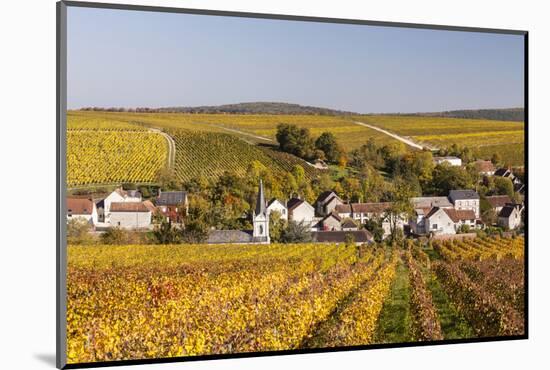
{"x":260,"y":226}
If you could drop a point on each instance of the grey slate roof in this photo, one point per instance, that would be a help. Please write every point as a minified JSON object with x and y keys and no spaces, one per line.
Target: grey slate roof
{"x":229,"y":236}
{"x":506,"y":211}
{"x":360,"y":236}
{"x":324,"y":196}
{"x":260,"y":201}
{"x":428,"y":202}
{"x":171,"y":198}
{"x":463,"y":194}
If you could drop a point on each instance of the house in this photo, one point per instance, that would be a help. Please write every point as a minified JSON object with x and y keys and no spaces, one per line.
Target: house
{"x":348,"y":225}
{"x":339,"y":237}
{"x":326,"y":202}
{"x":462,"y":217}
{"x":422,"y":207}
{"x":83,"y":209}
{"x":330,"y":222}
{"x":260,"y":218}
{"x":363,"y":212}
{"x":486,"y":168}
{"x":430,"y":202}
{"x":417,"y":222}
{"x":301,"y":211}
{"x":276,"y":205}
{"x":173,"y":205}
{"x":438,"y":221}
{"x":497,"y":202}
{"x":453,"y":161}
{"x":119,"y":195}
{"x":343,"y":210}
{"x":510,"y":216}
{"x":130,"y":215}
{"x":465,"y":199}
{"x":507,"y":173}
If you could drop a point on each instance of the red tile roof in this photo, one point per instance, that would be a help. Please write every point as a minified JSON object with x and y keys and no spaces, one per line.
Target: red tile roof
{"x":498,"y":200}
{"x":458,"y":215}
{"x":484,"y":166}
{"x":343,"y":208}
{"x":79,"y":206}
{"x":370,"y":207}
{"x":128,"y":207}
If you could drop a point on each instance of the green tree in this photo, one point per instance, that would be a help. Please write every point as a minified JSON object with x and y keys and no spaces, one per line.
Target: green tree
{"x":374,"y":226}
{"x":276,"y":226}
{"x":295,"y":140}
{"x":496,"y":159}
{"x":195,"y":231}
{"x":401,"y":208}
{"x":166,"y":233}
{"x":78,"y":231}
{"x":296,"y":232}
{"x":327,"y":143}
{"x":447,"y":177}
{"x":115,"y":236}
{"x":167,"y":179}
{"x":504,"y":186}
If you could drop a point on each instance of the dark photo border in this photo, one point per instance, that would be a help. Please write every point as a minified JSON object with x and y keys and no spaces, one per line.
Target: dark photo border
{"x":61,"y":190}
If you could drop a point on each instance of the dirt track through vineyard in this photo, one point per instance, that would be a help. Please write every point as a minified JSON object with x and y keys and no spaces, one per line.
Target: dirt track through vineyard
{"x":395,"y":136}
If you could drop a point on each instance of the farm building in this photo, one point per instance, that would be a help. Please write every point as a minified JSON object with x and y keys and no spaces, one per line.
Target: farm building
{"x":349,"y":225}
{"x":429,"y":202}
{"x":486,"y":168}
{"x":453,"y":161}
{"x":301,"y":211}
{"x":172,"y":204}
{"x":497,"y":202}
{"x":119,"y":195}
{"x":130,"y":215}
{"x":330,"y":222}
{"x":438,"y":221}
{"x":83,"y":209}
{"x":465,"y":199}
{"x":276,"y":205}
{"x":327,"y":202}
{"x":510,"y":216}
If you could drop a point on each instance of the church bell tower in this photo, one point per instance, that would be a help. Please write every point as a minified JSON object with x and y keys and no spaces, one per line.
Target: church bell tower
{"x":260,"y":218}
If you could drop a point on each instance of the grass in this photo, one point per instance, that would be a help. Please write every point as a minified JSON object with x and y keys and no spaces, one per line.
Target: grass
{"x":453,"y":324}
{"x":394,"y":323}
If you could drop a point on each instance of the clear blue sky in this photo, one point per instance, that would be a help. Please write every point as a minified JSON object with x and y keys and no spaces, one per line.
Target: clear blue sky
{"x":130,"y":59}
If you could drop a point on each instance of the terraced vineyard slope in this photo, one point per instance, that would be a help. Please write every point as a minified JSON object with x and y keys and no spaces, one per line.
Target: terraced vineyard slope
{"x":210,"y":154}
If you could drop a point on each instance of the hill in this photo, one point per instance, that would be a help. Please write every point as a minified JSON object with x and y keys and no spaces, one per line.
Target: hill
{"x":507,"y":114}
{"x":239,"y":108}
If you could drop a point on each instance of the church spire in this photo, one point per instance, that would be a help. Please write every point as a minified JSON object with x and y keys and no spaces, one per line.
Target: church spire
{"x":260,"y":201}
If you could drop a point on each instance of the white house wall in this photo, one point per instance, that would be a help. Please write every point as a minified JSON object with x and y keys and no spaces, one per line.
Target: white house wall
{"x":131,"y":220}
{"x":444,"y":225}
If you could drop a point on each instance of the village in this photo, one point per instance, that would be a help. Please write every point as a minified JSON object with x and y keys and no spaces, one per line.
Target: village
{"x":329,"y":219}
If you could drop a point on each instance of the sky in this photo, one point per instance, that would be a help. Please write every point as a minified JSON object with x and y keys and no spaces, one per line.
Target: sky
{"x":120,"y":58}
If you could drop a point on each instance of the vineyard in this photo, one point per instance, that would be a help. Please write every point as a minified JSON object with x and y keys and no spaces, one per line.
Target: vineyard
{"x":486,"y":136}
{"x":139,"y":301}
{"x":95,"y":157}
{"x":256,"y":128}
{"x":210,"y":154}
